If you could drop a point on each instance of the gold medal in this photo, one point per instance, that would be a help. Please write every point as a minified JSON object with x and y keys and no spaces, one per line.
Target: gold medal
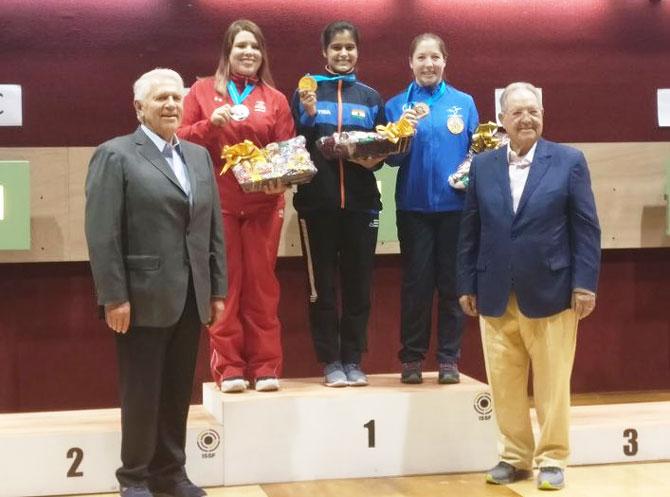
{"x":307,"y":83}
{"x":455,"y":124}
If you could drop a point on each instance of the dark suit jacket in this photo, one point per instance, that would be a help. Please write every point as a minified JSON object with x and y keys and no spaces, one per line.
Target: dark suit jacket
{"x":543,"y":252}
{"x":144,"y":237}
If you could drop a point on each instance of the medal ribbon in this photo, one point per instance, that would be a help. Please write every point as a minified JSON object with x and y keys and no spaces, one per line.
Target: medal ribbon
{"x":235,"y":95}
{"x":349,"y":78}
{"x":436,"y":94}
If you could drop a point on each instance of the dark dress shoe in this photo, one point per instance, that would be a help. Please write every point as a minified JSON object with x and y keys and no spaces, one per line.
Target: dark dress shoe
{"x":182,"y":488}
{"x":135,"y":492}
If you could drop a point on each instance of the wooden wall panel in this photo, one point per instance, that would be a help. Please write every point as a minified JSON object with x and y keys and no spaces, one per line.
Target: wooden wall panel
{"x":50,"y":203}
{"x":78,"y":165}
{"x":628,"y":182}
{"x":629,"y":185}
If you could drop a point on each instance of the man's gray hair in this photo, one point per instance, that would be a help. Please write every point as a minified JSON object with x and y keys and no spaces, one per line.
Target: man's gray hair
{"x":520,"y":85}
{"x":143,"y":85}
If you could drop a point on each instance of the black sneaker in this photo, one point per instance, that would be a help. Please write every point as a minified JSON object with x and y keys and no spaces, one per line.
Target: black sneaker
{"x":448,"y":373}
{"x":411,"y":373}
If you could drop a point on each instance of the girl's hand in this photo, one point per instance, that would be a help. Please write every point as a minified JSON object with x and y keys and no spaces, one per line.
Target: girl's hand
{"x":274,"y":187}
{"x":308,"y":101}
{"x":221,"y":115}
{"x":411,"y":116}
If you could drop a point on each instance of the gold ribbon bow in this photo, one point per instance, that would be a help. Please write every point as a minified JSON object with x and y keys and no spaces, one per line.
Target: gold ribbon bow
{"x":241,"y":152}
{"x":393,"y":132}
{"x":483,"y":138}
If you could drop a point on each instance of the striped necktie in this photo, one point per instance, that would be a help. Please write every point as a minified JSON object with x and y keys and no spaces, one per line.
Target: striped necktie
{"x":178,"y":166}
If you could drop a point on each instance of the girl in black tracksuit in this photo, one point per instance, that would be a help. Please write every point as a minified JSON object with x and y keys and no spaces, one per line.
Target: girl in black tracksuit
{"x":339,"y":209}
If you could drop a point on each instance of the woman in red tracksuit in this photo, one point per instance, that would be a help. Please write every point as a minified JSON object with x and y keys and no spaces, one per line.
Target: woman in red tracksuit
{"x":240,"y":103}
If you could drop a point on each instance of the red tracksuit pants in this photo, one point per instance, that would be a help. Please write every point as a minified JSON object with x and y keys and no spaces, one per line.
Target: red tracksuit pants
{"x":247,"y":341}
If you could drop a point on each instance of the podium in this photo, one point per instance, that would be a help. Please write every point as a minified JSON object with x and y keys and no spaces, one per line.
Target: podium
{"x":308,"y":432}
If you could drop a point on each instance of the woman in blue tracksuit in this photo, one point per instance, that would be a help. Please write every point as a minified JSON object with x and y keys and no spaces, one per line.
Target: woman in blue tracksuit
{"x":339,"y":209}
{"x":429,"y":210}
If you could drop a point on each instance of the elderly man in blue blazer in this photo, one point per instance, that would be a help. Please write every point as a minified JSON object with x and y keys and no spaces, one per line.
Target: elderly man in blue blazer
{"x":155,"y":241}
{"x":528,"y":264}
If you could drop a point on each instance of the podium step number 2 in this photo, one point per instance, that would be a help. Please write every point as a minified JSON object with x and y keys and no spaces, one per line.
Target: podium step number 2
{"x":77,"y":452}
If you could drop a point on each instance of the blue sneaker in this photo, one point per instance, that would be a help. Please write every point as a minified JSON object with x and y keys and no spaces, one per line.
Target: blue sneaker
{"x":550,"y":478}
{"x":335,"y":375}
{"x":504,"y":473}
{"x":355,"y":375}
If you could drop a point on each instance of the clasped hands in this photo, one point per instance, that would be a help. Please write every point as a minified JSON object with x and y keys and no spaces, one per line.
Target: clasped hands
{"x":117,"y":316}
{"x":583,"y":303}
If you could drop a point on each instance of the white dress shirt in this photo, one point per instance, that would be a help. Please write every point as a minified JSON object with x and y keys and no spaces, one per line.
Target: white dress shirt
{"x":518,"y":172}
{"x":174,"y":159}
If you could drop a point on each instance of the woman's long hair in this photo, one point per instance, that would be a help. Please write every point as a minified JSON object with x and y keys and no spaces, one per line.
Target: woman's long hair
{"x":222,"y":75}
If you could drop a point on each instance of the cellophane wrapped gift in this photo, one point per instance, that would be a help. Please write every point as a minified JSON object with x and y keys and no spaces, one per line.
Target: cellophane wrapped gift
{"x":287,"y":161}
{"x":394,"y":138}
{"x":487,"y":136}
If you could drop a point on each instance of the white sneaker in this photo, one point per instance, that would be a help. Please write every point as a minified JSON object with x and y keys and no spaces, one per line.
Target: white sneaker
{"x":268,"y":384}
{"x":234,"y":385}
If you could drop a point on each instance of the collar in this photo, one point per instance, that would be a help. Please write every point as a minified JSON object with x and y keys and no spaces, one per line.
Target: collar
{"x":529,"y":156}
{"x":429,"y":89}
{"x":158,"y":140}
{"x":243,"y":80}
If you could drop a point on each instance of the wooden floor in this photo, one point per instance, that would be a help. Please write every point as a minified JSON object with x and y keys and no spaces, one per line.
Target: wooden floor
{"x":615,"y":480}
{"x":612,"y":480}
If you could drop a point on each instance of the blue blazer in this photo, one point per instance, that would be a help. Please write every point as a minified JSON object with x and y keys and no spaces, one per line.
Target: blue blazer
{"x":543,"y":252}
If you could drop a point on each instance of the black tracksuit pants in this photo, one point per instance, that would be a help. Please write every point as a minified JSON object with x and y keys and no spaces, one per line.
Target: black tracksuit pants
{"x":339,"y":243}
{"x":428,"y":243}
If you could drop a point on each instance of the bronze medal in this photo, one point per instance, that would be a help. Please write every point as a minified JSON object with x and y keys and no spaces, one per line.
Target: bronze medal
{"x":422,"y":110}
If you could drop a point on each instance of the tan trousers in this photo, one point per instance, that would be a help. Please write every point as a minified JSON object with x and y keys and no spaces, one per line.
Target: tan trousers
{"x":512,"y":343}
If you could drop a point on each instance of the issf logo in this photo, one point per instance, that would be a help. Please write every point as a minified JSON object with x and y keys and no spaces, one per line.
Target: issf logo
{"x":208,"y":441}
{"x":483,"y":406}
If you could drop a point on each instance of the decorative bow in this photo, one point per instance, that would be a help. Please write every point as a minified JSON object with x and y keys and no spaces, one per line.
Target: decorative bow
{"x":393,"y":132}
{"x":241,"y":153}
{"x":483,"y":138}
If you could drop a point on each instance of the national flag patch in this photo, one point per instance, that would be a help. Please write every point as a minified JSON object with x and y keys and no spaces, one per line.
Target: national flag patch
{"x":360,"y":113}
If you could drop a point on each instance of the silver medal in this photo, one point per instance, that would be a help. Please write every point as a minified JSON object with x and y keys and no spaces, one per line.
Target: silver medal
{"x":239,"y":112}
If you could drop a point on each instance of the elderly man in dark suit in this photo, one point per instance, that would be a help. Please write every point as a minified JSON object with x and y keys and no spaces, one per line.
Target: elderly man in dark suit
{"x":528,"y":263}
{"x":153,"y":226}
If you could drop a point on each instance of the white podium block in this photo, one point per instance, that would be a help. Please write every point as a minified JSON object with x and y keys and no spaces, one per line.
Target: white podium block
{"x":75,"y":452}
{"x":307,"y":431}
{"x":615,"y":433}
